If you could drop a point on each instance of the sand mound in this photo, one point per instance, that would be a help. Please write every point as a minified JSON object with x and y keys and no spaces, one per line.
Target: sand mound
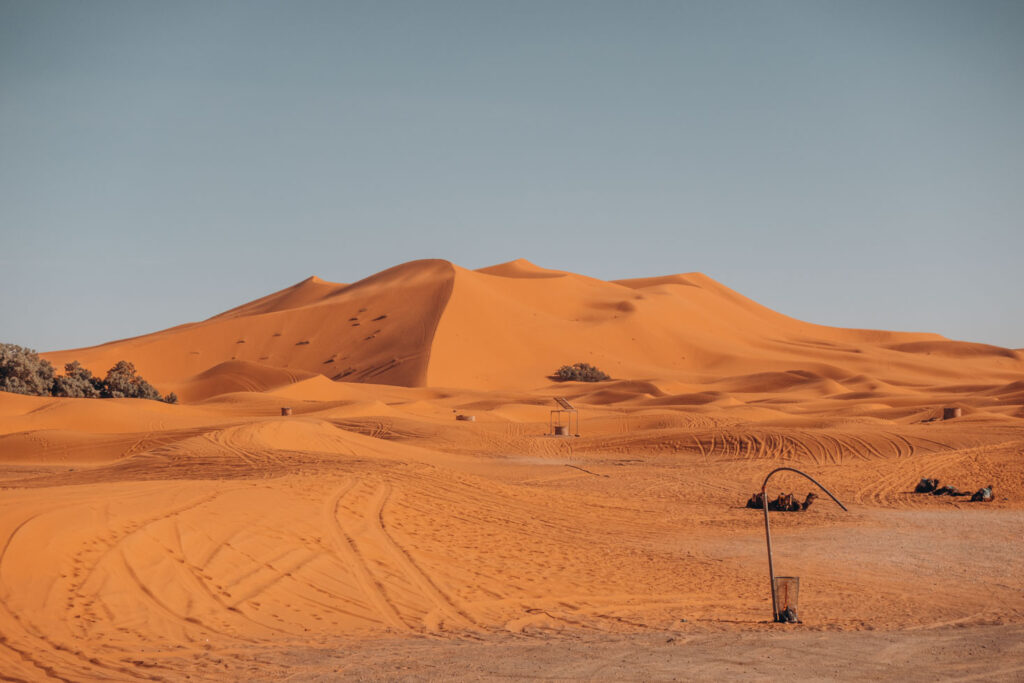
{"x":955,"y":349}
{"x":237,"y":375}
{"x":520,"y":268}
{"x":319,"y":388}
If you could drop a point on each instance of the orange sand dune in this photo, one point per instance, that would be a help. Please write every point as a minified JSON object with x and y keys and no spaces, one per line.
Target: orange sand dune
{"x":373,"y":535}
{"x":378,"y":329}
{"x":431,"y":323}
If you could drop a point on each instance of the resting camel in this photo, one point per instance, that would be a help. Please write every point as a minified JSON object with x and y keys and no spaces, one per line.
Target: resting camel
{"x":785,"y":502}
{"x":949,"y":491}
{"x":983,"y":495}
{"x":927,"y":486}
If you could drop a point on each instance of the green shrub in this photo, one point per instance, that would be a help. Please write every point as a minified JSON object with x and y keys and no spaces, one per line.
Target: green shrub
{"x":123,"y":382}
{"x":76,"y":382}
{"x":22,"y":371}
{"x":580,"y":372}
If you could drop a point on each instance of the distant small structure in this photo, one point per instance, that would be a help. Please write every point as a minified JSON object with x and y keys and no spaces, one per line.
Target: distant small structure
{"x":466,"y":418}
{"x":567,"y":410}
{"x":950,"y":413}
{"x":286,"y":411}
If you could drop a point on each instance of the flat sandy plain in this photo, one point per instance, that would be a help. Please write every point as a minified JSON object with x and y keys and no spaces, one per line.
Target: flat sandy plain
{"x":372,"y":535}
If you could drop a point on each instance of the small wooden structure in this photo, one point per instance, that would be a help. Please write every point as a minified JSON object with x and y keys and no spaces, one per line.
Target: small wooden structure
{"x":567,"y":410}
{"x":950,"y":413}
{"x":466,"y":418}
{"x":286,"y":411}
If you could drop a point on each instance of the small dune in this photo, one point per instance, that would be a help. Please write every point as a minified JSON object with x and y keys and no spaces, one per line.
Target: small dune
{"x":237,"y":375}
{"x":956,"y":349}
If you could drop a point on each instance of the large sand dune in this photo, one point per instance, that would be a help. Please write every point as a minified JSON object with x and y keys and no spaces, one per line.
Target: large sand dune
{"x":510,"y":326}
{"x":371,"y":534}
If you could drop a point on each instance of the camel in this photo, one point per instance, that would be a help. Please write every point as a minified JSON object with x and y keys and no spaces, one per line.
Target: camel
{"x":785,"y":502}
{"x":949,"y":491}
{"x":983,"y":495}
{"x":927,"y":486}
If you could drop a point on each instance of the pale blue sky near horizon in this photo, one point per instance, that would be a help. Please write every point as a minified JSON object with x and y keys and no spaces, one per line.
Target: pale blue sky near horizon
{"x":858,"y":164}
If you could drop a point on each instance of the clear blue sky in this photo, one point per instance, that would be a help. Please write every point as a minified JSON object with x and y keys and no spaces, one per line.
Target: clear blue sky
{"x":848,"y":163}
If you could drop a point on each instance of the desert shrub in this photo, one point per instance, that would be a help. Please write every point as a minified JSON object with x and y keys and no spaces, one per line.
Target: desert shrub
{"x":123,"y":382}
{"x":22,"y":371}
{"x":580,"y":372}
{"x":76,"y":382}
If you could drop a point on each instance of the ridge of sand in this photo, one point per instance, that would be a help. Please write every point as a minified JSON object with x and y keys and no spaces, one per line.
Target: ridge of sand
{"x":311,"y":291}
{"x":512,"y":332}
{"x":521,"y":268}
{"x":432,"y":323}
{"x":378,"y":329}
{"x":237,"y":375}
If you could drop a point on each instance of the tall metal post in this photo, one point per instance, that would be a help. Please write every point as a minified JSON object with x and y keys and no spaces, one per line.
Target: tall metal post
{"x":767,"y":527}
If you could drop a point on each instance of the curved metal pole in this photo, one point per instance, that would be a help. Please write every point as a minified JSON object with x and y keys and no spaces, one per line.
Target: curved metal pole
{"x":767,"y":528}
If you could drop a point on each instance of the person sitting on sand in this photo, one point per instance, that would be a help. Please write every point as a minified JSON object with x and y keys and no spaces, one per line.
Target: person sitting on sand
{"x":927,"y":486}
{"x":982,"y":495}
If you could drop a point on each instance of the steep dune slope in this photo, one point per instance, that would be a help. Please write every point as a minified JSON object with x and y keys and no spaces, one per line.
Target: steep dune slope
{"x":378,"y":329}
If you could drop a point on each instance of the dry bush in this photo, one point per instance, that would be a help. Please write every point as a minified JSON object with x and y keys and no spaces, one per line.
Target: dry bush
{"x":580,"y":372}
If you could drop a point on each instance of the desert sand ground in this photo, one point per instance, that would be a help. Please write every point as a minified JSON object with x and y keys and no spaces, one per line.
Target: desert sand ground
{"x":371,"y":535}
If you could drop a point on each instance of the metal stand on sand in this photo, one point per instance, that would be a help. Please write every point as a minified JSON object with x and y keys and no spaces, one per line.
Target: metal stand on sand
{"x":785,"y":589}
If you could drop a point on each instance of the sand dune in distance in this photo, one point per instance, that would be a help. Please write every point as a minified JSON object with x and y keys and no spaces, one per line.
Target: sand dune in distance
{"x":371,"y":530}
{"x":432,"y":323}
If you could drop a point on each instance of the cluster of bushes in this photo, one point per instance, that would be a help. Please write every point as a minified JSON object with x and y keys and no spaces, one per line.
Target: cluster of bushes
{"x":22,"y":371}
{"x":580,"y":372}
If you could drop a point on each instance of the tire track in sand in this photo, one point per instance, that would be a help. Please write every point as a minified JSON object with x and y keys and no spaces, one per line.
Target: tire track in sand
{"x":444,"y":603}
{"x":346,"y":550}
{"x":81,"y":659}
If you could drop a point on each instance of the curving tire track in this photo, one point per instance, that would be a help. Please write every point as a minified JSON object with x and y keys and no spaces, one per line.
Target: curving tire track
{"x":348,"y":553}
{"x":442,"y":602}
{"x":86,"y":665}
